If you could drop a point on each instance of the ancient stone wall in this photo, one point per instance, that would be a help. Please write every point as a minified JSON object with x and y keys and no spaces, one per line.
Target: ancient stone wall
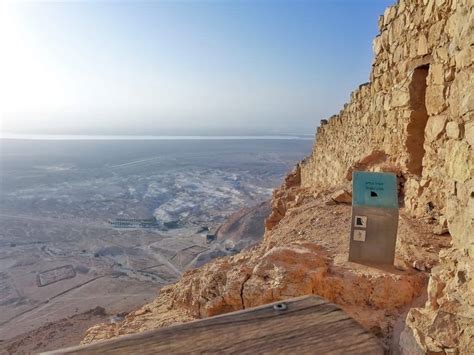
{"x":416,"y":117}
{"x":417,"y":108}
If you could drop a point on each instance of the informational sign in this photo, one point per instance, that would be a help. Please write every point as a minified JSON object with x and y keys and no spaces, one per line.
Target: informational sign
{"x":374,"y":221}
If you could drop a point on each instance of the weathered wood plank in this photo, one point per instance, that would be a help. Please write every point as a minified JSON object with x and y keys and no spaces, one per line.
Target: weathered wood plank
{"x":301,"y":325}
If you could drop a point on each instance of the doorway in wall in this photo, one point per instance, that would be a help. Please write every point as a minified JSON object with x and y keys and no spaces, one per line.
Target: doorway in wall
{"x":418,"y":119}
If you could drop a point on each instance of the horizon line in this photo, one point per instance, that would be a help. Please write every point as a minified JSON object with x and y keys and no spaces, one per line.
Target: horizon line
{"x":98,"y":137}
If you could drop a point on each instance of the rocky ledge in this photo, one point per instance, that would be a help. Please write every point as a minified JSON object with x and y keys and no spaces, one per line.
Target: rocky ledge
{"x":305,"y":253}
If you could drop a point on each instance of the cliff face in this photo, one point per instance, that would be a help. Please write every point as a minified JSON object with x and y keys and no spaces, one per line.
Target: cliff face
{"x":415,"y":118}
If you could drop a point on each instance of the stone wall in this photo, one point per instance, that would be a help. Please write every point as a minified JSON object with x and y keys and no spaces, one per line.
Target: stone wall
{"x":416,"y":118}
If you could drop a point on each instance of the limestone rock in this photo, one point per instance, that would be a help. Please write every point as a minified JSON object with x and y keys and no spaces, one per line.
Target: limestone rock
{"x":294,"y":178}
{"x":341,"y":196}
{"x":460,"y":215}
{"x":400,"y":99}
{"x":466,"y":92}
{"x":436,"y":326}
{"x":421,"y":265}
{"x":459,"y":161}
{"x":439,"y":230}
{"x":442,"y":227}
{"x":464,"y":58}
{"x":408,"y":343}
{"x":422,"y":45}
{"x":283,"y":196}
{"x":435,"y":99}
{"x":452,"y":130}
{"x":437,"y":74}
{"x":435,"y":127}
{"x":469,"y":133}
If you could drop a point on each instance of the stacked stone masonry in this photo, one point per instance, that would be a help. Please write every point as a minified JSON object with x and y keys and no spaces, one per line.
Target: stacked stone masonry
{"x":416,"y":118}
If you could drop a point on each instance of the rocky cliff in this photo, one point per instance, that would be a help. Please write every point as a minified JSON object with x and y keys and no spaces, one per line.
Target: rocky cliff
{"x":415,"y":118}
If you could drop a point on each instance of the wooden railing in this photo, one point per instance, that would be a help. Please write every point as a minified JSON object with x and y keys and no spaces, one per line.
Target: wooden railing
{"x":305,"y":325}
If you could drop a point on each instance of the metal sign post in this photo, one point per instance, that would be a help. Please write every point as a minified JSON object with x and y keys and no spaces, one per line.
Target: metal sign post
{"x":374,"y":221}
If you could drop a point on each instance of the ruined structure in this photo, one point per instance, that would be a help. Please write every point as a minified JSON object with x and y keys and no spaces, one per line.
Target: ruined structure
{"x":414,"y":118}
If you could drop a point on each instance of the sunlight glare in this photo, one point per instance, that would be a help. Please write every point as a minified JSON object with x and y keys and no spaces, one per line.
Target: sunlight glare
{"x":28,"y":84}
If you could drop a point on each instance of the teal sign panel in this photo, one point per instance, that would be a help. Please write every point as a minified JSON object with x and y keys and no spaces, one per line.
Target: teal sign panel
{"x":374,"y":189}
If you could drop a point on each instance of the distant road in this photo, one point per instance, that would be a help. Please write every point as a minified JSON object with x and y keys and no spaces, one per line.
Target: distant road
{"x":133,"y":162}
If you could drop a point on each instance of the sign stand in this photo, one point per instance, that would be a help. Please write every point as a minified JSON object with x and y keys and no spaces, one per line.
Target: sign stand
{"x":374,"y":221}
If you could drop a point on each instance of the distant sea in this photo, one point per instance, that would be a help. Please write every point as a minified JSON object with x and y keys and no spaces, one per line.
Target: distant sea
{"x":141,"y":137}
{"x":172,"y":177}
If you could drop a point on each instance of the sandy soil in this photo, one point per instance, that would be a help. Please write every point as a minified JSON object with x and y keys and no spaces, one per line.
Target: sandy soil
{"x":61,"y":319}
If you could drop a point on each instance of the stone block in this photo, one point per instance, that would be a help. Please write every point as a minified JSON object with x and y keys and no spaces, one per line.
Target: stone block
{"x":452,"y":130}
{"x":428,"y":10}
{"x":400,"y":98}
{"x":435,"y":33}
{"x":442,"y":55}
{"x":466,"y":100}
{"x":377,"y":45}
{"x":464,"y":58}
{"x":435,"y":127}
{"x":459,"y":163}
{"x":469,"y":133}
{"x":435,"y":99}
{"x":437,"y":74}
{"x":422,"y":48}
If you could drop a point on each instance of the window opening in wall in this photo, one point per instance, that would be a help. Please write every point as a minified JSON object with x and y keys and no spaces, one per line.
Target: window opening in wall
{"x":418,"y":120}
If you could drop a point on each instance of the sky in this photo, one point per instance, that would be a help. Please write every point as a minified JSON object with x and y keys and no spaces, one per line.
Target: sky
{"x":181,"y":67}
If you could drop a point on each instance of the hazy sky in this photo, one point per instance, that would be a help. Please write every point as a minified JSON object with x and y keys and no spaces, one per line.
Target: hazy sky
{"x":188,"y":67}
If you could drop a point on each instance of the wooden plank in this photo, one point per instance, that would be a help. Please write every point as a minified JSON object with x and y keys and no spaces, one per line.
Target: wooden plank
{"x":301,"y":325}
